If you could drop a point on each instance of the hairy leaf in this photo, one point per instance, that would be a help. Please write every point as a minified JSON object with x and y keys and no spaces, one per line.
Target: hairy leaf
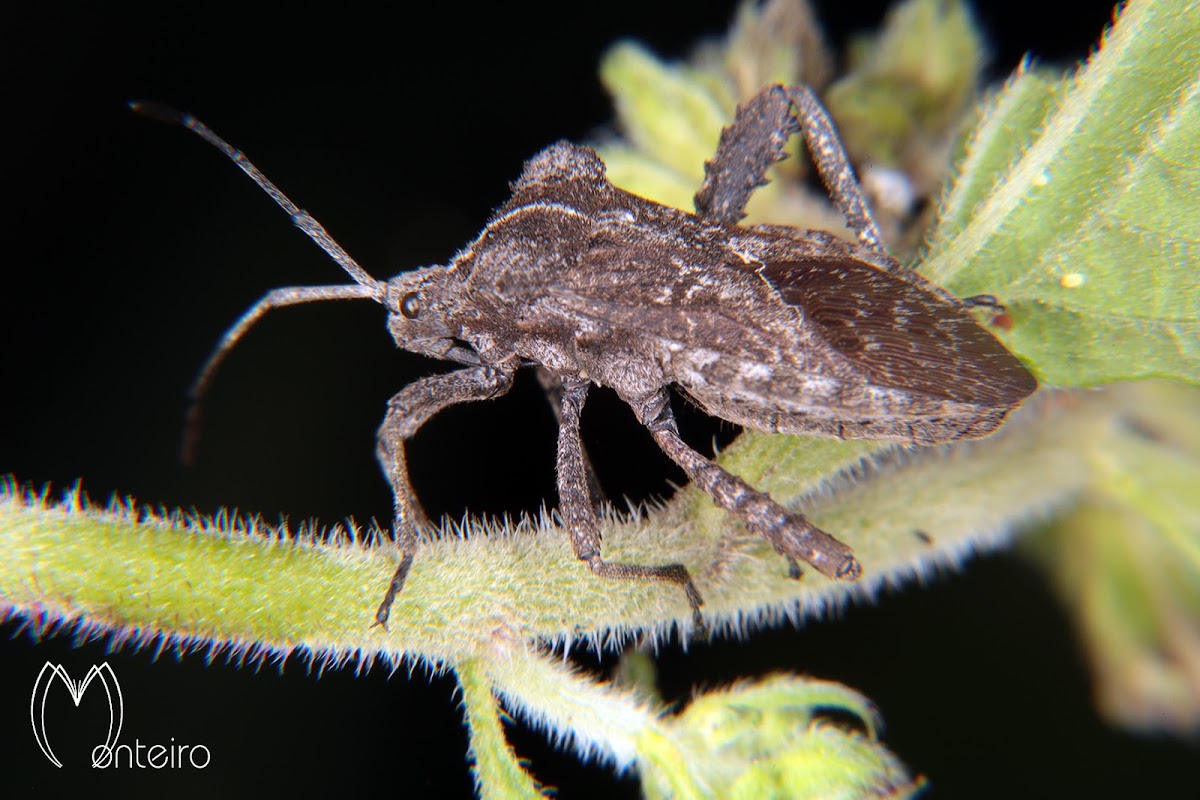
{"x":1078,"y":208}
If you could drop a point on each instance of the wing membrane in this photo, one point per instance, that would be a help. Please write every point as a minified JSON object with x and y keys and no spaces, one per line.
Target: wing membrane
{"x":901,"y":331}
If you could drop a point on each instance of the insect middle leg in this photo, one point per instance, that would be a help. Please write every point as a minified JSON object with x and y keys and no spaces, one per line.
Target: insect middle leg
{"x":407,"y":411}
{"x":553,"y":388}
{"x":579,"y":515}
{"x":790,"y":533}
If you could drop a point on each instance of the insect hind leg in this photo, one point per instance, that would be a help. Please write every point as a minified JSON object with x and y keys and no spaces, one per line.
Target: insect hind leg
{"x":579,"y":515}
{"x":833,"y":165}
{"x":747,"y":149}
{"x":756,"y":140}
{"x":790,"y":533}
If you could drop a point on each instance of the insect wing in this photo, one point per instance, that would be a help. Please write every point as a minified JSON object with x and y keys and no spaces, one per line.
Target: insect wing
{"x":694,"y":305}
{"x":900,"y":331}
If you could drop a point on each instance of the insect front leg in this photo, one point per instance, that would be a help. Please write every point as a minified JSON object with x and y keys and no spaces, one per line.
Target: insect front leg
{"x":579,"y":515}
{"x":407,"y":411}
{"x":791,"y":534}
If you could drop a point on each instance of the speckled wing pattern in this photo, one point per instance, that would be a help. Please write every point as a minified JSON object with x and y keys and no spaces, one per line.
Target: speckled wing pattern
{"x":697,"y":305}
{"x":902,"y":334}
{"x":900,"y":331}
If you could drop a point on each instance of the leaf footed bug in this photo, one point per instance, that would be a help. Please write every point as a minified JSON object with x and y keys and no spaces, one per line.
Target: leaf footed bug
{"x":770,"y":327}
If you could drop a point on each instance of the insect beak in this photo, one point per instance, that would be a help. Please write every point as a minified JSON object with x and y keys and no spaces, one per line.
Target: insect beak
{"x":443,"y":349}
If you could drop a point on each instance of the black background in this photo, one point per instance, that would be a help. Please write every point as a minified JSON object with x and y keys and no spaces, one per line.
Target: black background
{"x":130,"y":246}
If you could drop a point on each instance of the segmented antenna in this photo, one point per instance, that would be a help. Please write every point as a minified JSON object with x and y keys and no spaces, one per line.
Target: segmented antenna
{"x":364,"y":285}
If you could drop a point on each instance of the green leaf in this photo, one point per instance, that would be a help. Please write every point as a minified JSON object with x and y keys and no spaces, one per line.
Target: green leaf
{"x":769,"y":739}
{"x":912,"y":82}
{"x":498,"y":773}
{"x":1126,"y":562}
{"x":1090,"y":234}
{"x":997,"y":144}
{"x":778,"y":41}
{"x":669,"y":112}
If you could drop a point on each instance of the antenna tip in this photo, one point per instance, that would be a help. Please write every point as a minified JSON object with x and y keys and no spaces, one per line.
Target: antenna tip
{"x":158,"y":111}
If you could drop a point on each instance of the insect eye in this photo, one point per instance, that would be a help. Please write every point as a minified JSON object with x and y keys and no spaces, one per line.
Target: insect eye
{"x":410,"y":305}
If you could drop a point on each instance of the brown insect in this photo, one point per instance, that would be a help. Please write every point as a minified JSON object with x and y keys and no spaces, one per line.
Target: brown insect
{"x":770,"y":327}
